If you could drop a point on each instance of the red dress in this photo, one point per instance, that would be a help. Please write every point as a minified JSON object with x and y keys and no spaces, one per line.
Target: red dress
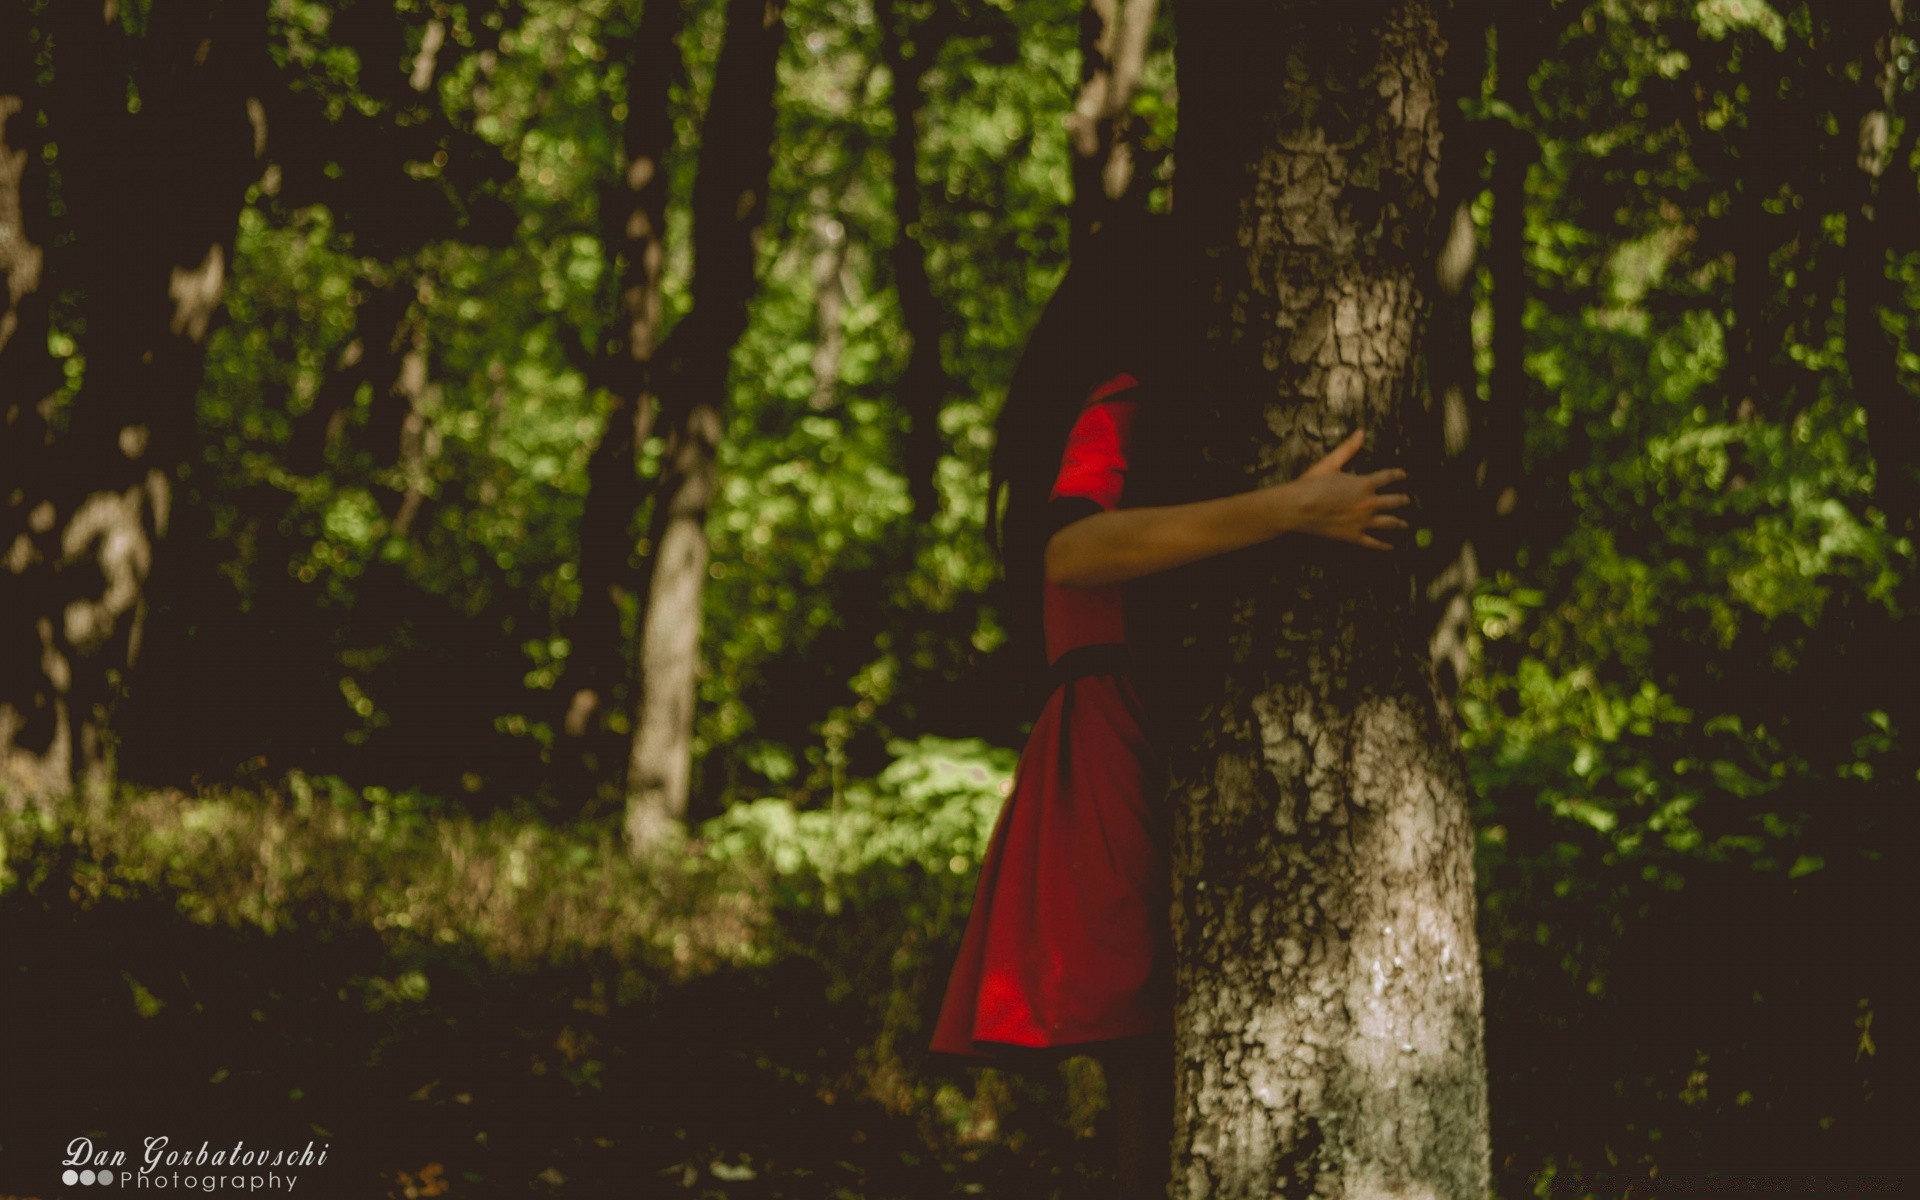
{"x":1067,"y":941}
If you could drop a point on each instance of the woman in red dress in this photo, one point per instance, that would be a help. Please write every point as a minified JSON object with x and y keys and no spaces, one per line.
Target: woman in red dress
{"x":1066,"y":950}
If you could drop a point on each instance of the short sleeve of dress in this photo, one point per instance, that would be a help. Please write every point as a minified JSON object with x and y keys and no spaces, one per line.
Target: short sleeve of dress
{"x":1093,"y":467}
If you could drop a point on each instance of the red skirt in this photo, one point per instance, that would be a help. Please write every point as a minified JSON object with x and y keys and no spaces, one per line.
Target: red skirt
{"x":1067,"y":942}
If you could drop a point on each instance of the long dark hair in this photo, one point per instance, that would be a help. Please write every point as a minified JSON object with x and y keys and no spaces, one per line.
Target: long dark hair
{"x":1112,"y":312}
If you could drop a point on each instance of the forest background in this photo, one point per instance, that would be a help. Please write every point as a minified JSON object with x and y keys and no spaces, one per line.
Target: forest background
{"x":428,"y":492}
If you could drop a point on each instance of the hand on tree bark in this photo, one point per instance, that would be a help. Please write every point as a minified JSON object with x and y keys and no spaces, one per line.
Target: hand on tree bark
{"x":1117,"y":545}
{"x":1336,"y":504}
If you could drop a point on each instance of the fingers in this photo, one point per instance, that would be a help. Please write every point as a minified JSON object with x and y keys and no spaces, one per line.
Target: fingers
{"x":1391,"y":499}
{"x":1350,"y":447}
{"x":1384,"y":477}
{"x":1338,"y":456}
{"x":1382,"y":521}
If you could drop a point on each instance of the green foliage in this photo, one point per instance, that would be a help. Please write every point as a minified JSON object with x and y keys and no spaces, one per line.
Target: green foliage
{"x":1680,"y":695}
{"x":912,"y":837}
{"x":1676,"y":695}
{"x":821,"y":586}
{"x":551,"y":948}
{"x":508,"y":889}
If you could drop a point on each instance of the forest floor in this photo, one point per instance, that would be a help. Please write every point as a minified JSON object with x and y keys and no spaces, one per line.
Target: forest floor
{"x":428,"y":1069}
{"x":464,"y":1005}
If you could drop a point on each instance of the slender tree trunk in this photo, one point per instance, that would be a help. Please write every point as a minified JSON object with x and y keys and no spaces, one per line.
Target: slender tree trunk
{"x":153,"y":200}
{"x":368,"y":358}
{"x":729,"y":202}
{"x":1449,"y":455}
{"x":829,"y":304}
{"x":395,"y":434}
{"x":1893,"y":417}
{"x":1113,"y":51}
{"x":35,"y":735}
{"x":1328,"y":1002}
{"x":1748,"y":351}
{"x":924,"y":386}
{"x":28,"y":374}
{"x":1745,"y":156}
{"x":1884,"y":184}
{"x":416,"y":443}
{"x":1519,"y":44}
{"x":388,"y":354}
{"x":401,"y":384}
{"x":660,"y":773}
{"x":590,"y":757}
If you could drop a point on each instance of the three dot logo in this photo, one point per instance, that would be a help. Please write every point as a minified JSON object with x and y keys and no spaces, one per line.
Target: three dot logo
{"x":71,"y":1176}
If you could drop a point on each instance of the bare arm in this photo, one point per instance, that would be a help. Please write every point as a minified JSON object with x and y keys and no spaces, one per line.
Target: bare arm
{"x":1122,"y":544}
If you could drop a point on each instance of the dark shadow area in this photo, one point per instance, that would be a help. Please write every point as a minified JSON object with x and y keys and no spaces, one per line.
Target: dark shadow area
{"x":1732,"y":1022}
{"x":582,"y":1079}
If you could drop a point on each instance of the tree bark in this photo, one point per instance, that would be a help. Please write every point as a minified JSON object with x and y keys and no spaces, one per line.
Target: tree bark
{"x":1449,"y":565}
{"x":924,"y":385}
{"x":1747,"y":157}
{"x":415,"y":443}
{"x":1328,"y":1020}
{"x":34,"y":736}
{"x":388,"y":350}
{"x":1519,"y":45}
{"x":367,"y":358}
{"x":395,"y":434}
{"x":589,"y":756}
{"x":153,"y":200}
{"x":729,"y":201}
{"x":1893,"y":418}
{"x":829,"y":304}
{"x":1113,"y":51}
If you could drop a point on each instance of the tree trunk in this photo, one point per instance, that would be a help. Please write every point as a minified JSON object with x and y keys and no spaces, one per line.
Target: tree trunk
{"x":1519,"y":44}
{"x":1328,"y":1020}
{"x":34,"y":738}
{"x":369,"y":357}
{"x":415,"y":443}
{"x":589,"y":756}
{"x":1893,"y":428}
{"x":829,"y":304}
{"x":153,"y":200}
{"x":660,"y":773}
{"x":1113,"y":51}
{"x":729,"y":200}
{"x":1893,"y":412}
{"x":923,"y":387}
{"x":1449,"y":566}
{"x":1746,"y":157}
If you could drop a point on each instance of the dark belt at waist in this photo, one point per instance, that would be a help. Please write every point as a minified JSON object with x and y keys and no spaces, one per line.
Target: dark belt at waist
{"x":1104,"y":658}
